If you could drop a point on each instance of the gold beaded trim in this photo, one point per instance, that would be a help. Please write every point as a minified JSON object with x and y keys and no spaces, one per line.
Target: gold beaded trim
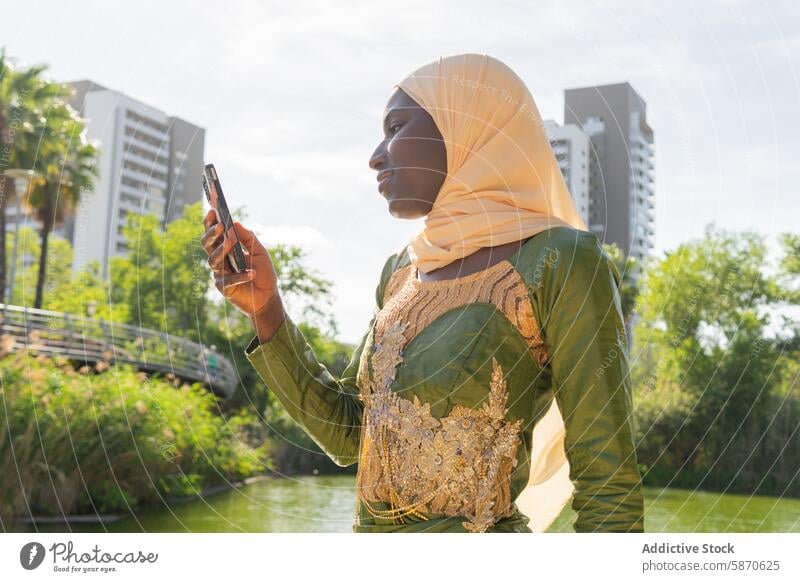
{"x":421,"y":302}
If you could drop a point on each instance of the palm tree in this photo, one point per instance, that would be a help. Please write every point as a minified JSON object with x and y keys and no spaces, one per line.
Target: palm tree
{"x":23,"y":95}
{"x":67,"y":165}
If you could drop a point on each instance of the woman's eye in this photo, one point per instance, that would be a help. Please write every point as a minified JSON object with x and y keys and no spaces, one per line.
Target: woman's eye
{"x":396,"y":127}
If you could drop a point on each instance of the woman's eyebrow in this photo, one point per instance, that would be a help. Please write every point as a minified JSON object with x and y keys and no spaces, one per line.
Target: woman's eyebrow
{"x":386,"y":117}
{"x":395,"y":112}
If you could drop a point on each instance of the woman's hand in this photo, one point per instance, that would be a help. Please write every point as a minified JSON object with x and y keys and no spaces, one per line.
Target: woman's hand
{"x":253,"y":292}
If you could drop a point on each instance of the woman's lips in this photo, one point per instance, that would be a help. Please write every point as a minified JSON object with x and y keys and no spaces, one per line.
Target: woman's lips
{"x":383,"y":179}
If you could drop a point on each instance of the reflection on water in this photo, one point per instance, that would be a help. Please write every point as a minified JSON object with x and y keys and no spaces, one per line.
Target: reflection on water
{"x":292,"y":504}
{"x":681,"y":510}
{"x":327,"y":503}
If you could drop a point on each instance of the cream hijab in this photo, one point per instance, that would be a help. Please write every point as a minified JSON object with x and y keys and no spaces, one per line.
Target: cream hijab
{"x":503,"y":184}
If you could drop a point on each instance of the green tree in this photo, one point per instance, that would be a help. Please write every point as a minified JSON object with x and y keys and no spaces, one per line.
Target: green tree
{"x":27,"y":266}
{"x":163,"y":280}
{"x":790,"y":266}
{"x":75,"y":293}
{"x":301,"y":288}
{"x":23,"y":96}
{"x":67,"y":165}
{"x":293,"y":450}
{"x":164,"y":283}
{"x":629,"y":288}
{"x":303,"y":292}
{"x":791,"y":258}
{"x":70,"y":292}
{"x":707,"y":370}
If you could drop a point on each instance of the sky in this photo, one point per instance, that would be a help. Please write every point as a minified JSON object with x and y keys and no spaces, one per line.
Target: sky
{"x":291,"y":95}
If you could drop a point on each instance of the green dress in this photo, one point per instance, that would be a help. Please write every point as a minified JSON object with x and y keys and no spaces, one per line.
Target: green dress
{"x":439,"y":401}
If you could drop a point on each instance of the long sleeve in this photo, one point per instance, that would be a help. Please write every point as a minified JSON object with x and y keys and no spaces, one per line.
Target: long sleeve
{"x":585,"y":337}
{"x":325,"y":407}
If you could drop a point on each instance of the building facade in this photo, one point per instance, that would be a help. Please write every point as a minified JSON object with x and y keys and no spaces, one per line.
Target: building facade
{"x":621,"y":169}
{"x":571,"y":148}
{"x":150,"y":163}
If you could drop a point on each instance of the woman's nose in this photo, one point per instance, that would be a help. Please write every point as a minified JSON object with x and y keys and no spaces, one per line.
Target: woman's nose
{"x":378,"y":158}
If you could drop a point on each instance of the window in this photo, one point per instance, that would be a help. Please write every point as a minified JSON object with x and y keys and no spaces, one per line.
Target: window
{"x":133,"y":166}
{"x":141,"y":152}
{"x":125,"y":180}
{"x":156,"y":143}
{"x":135,"y":117}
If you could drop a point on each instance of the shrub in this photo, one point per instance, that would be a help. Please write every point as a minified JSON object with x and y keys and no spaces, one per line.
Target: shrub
{"x":91,"y":440}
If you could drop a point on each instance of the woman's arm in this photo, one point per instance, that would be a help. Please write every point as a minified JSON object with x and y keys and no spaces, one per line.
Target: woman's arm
{"x":325,"y":407}
{"x":585,"y":337}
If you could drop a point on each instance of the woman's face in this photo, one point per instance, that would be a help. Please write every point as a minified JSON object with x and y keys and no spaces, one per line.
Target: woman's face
{"x":411,"y":161}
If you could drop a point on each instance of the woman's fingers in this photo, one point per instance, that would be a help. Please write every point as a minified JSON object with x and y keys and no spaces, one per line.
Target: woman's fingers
{"x":218,"y":243}
{"x":249,"y":240}
{"x":225,"y":282}
{"x":229,"y":283}
{"x":210,"y":219}
{"x":217,"y":257}
{"x":248,"y":260}
{"x":211,"y":237}
{"x":217,"y":252}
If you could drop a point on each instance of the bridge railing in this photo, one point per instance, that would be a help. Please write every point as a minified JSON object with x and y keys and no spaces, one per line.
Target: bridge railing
{"x":92,"y":340}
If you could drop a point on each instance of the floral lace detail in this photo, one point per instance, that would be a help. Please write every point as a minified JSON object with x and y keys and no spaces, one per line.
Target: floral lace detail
{"x":460,"y":464}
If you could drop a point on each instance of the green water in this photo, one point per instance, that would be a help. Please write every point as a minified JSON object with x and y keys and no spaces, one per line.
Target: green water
{"x":326,"y":504}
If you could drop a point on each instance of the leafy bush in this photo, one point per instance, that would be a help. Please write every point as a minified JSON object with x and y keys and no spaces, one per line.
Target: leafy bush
{"x":111,"y":438}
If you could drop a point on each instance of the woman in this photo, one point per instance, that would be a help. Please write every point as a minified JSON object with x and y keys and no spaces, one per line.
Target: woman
{"x":496,"y":357}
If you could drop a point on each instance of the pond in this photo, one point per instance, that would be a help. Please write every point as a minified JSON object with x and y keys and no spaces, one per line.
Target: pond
{"x":327,"y":504}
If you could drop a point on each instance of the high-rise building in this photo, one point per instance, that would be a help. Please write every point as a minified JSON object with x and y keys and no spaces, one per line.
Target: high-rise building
{"x":186,"y":160}
{"x":621,"y":178}
{"x":150,"y":163}
{"x":571,"y":148}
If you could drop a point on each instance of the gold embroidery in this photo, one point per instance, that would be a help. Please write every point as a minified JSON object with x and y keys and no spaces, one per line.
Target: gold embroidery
{"x":421,"y":302}
{"x":460,"y":464}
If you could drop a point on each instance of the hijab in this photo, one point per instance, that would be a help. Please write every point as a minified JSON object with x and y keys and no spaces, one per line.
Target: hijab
{"x":503,"y":184}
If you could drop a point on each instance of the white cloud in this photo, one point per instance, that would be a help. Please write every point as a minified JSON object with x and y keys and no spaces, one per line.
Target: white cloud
{"x":307,"y":237}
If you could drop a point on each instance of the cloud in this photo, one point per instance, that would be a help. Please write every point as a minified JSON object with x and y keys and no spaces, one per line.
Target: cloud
{"x":307,"y":237}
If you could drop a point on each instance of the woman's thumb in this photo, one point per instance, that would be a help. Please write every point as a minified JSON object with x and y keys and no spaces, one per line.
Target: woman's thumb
{"x":248,"y":239}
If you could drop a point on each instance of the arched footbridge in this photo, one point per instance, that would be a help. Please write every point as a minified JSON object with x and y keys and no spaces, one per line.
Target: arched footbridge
{"x":92,"y":340}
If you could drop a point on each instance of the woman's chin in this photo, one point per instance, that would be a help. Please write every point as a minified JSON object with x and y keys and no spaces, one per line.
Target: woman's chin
{"x":406,"y":208}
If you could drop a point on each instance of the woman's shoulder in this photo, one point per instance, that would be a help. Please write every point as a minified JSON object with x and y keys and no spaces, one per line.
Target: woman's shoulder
{"x":556,"y":253}
{"x":393,"y":263}
{"x":401,"y":258}
{"x":559,"y":253}
{"x":554,"y":244}
{"x":561,"y":239}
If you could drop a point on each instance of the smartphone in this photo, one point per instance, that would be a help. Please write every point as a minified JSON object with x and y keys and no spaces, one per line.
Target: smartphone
{"x":216,"y":199}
